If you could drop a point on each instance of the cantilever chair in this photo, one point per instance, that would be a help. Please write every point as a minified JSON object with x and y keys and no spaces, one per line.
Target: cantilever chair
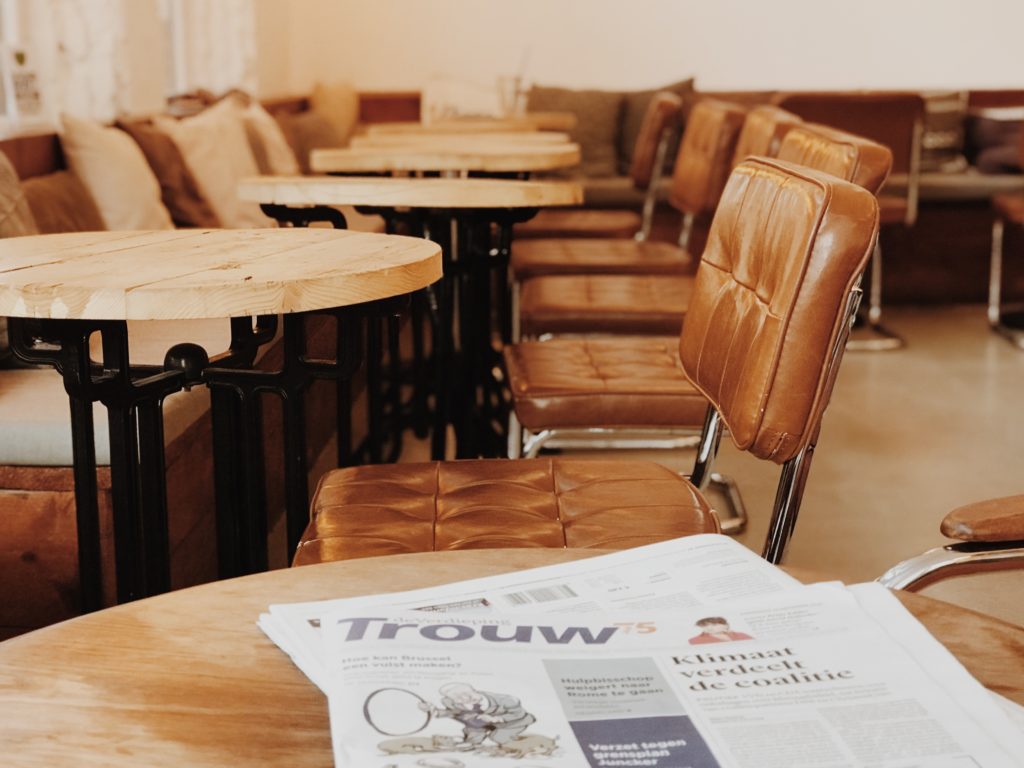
{"x":894,"y":120}
{"x":1006,"y":321}
{"x":990,"y":537}
{"x":581,"y":295}
{"x":660,"y":123}
{"x":772,"y":307}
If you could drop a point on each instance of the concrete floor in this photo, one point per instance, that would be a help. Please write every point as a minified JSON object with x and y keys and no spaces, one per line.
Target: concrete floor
{"x":909,"y":435}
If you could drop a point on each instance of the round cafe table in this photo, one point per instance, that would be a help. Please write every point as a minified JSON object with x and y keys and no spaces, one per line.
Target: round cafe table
{"x":473,"y":156}
{"x":469,"y":210}
{"x":458,"y":140}
{"x":528,"y":121}
{"x":187,"y":678}
{"x":59,"y":290}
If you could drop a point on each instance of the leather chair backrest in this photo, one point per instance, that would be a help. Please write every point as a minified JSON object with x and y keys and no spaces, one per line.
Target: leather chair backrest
{"x":762,"y":133}
{"x":892,"y":119}
{"x":663,"y":113}
{"x":705,"y":155}
{"x":864,"y":162}
{"x":786,"y":247}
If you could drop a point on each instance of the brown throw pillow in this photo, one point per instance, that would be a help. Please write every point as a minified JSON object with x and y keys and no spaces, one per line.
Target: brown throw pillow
{"x":61,"y":203}
{"x":15,"y":220}
{"x":597,"y":123}
{"x":309,"y":130}
{"x":178,"y":188}
{"x":634,"y":108}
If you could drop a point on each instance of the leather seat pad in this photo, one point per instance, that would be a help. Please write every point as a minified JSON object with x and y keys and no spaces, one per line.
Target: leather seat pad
{"x":580,"y":222}
{"x":533,"y":258}
{"x":492,"y":503}
{"x":610,"y":382}
{"x":632,"y":304}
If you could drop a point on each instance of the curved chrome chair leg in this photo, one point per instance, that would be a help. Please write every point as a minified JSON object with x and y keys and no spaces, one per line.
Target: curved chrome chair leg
{"x":953,"y":560}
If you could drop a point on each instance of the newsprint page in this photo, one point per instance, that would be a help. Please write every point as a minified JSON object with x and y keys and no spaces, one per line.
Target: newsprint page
{"x":691,"y":653}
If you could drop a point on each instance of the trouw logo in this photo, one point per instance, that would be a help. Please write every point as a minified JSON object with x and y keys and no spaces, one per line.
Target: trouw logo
{"x":382,"y":629}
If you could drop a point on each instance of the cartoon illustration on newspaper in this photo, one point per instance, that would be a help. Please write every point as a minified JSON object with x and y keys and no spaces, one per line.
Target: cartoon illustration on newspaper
{"x":493,"y":724}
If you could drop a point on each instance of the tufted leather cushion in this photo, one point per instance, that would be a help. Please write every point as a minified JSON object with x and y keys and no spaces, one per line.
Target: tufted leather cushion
{"x":864,"y":162}
{"x":482,"y":504}
{"x":705,"y":156}
{"x":768,"y":300}
{"x":634,"y":381}
{"x":635,"y":108}
{"x":532,"y":258}
{"x":660,"y":119}
{"x":1010,"y":207}
{"x":762,"y":132}
{"x":632,"y":304}
{"x":580,"y":222}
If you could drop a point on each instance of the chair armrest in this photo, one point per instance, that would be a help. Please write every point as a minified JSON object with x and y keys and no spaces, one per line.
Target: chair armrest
{"x":990,"y":520}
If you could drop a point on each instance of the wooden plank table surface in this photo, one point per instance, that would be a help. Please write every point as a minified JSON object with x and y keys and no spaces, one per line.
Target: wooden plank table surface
{"x":179,"y":274}
{"x":529,"y":121}
{"x":187,"y":679}
{"x":490,"y":158}
{"x":409,"y":193}
{"x":458,"y":139}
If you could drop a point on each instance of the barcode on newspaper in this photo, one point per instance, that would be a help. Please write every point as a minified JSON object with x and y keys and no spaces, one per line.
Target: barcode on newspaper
{"x":541,"y":595}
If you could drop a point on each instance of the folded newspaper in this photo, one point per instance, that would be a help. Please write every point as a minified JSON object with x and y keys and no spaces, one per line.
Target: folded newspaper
{"x":693,"y":652}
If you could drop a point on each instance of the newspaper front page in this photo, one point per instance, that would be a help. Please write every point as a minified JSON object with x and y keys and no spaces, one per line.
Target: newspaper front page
{"x":802,"y":677}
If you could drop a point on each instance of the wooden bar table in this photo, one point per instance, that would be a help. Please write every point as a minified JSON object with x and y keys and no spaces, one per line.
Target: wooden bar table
{"x":187,"y":678}
{"x":471,"y":208}
{"x":476,"y":156}
{"x":61,"y":289}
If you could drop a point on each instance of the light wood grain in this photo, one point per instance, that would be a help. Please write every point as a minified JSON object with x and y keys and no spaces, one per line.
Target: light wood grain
{"x":187,"y":678}
{"x":179,"y":274}
{"x":409,"y":193}
{"x":495,"y":158}
{"x":530,"y":121}
{"x":456,"y":141}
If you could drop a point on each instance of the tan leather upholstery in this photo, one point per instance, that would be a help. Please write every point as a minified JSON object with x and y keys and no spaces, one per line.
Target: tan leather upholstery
{"x":763,"y":131}
{"x":628,"y":382}
{"x":768,"y":300}
{"x":533,"y":258}
{"x":992,"y":520}
{"x":632,"y":304}
{"x":391,"y":509}
{"x":662,"y":112}
{"x":1009,"y":207}
{"x":661,"y":115}
{"x":580,"y":222}
{"x":705,"y":155}
{"x":864,"y":162}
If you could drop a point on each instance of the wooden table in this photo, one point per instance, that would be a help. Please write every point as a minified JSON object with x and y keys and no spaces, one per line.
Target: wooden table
{"x":511,"y":157}
{"x":459,"y":139}
{"x":187,"y":679}
{"x":81,"y":284}
{"x":471,"y":210}
{"x":530,"y":121}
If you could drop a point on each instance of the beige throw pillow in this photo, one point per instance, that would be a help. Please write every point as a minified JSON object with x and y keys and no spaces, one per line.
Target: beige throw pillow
{"x":268,"y":143}
{"x":339,"y":103}
{"x":116,"y":173}
{"x":216,"y":151}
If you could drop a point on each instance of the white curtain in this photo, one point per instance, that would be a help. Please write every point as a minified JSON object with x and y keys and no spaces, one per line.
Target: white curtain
{"x":214,"y":44}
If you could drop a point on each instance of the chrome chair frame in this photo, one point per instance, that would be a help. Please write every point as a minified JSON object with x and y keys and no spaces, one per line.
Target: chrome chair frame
{"x":1008,"y":321}
{"x":953,"y":560}
{"x":651,"y":195}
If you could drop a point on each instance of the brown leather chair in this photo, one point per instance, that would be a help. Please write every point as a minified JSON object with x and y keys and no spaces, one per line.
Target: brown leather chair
{"x":630,"y":391}
{"x":895,"y":120}
{"x":661,"y":121}
{"x":1009,"y":209}
{"x":701,"y":168}
{"x":989,"y":536}
{"x":771,"y":310}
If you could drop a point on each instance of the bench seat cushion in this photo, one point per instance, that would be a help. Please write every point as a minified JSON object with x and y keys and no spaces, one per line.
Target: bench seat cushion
{"x":581,"y":222}
{"x":482,"y":504}
{"x":568,"y":256}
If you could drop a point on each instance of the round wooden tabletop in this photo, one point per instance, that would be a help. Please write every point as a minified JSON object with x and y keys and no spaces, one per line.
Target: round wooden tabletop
{"x":409,"y":192}
{"x":181,"y":274}
{"x":513,"y":157}
{"x":529,"y":121}
{"x":458,"y":140}
{"x":187,"y":678}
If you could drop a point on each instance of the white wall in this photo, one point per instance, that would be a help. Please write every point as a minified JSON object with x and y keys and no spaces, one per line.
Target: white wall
{"x":620,"y":44}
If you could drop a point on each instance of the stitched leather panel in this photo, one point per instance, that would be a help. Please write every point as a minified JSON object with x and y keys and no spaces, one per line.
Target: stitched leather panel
{"x":990,"y":520}
{"x":663,"y":111}
{"x":705,"y":155}
{"x":853,"y":158}
{"x":616,"y":382}
{"x":637,"y":304}
{"x":586,"y":222}
{"x":533,"y":258}
{"x":785,"y":249}
{"x":478,"y":504}
{"x":763,"y":130}
{"x":1009,"y":207}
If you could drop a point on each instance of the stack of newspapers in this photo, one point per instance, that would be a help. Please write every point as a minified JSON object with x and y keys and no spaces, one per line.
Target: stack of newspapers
{"x":692,"y":652}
